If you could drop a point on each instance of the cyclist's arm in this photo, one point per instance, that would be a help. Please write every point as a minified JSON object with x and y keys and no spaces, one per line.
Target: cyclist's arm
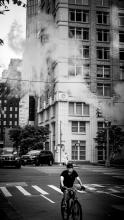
{"x":62,"y":181}
{"x":79,"y":181}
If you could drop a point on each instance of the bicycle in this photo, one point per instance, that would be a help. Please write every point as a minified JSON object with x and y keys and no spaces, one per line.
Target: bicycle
{"x":72,"y":209}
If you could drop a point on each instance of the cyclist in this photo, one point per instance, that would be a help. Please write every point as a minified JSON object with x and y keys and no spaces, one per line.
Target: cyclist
{"x":67,"y":179}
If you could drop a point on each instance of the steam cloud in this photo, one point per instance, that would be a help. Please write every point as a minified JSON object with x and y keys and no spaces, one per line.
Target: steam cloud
{"x":51,"y":46}
{"x":15,"y":38}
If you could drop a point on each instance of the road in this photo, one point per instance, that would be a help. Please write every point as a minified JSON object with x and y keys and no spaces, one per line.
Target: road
{"x":32,"y":193}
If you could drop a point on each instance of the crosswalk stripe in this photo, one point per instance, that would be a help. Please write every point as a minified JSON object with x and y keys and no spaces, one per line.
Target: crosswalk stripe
{"x":113,"y":190}
{"x":5,"y":191}
{"x":40,"y":190}
{"x":89,"y":187}
{"x":56,"y":188}
{"x":23,"y":191}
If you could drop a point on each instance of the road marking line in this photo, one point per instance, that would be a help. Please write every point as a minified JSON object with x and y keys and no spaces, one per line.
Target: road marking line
{"x":97,"y":185}
{"x":56,"y":188}
{"x":114,"y":195}
{"x":40,"y":190}
{"x":23,"y":191}
{"x":47,"y":199}
{"x":5,"y":191}
{"x":99,"y":191}
{"x":113,"y":190}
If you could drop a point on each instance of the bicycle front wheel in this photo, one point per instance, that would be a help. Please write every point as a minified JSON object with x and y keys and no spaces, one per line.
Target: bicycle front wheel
{"x":77,"y":211}
{"x":64,"y":210}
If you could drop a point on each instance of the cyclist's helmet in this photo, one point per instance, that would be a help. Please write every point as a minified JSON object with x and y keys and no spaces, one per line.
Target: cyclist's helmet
{"x":69,"y":165}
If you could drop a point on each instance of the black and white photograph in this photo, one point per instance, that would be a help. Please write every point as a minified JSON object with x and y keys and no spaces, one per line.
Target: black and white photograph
{"x":61,"y":109}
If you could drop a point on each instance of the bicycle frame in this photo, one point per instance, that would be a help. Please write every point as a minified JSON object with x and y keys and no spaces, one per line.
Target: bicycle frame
{"x":71,"y":201}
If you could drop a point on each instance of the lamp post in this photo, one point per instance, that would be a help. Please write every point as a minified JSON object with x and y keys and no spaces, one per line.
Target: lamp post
{"x":107,"y":162}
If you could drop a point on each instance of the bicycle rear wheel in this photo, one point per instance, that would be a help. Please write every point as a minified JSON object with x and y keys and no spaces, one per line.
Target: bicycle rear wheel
{"x":77,"y":211}
{"x":64,"y":210}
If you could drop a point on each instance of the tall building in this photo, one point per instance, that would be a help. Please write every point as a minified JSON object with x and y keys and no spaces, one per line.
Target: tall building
{"x":73,"y":120}
{"x":9,"y":113}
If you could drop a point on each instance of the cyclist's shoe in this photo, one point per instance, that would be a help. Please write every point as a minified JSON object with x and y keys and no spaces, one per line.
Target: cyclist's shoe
{"x":83,"y":188}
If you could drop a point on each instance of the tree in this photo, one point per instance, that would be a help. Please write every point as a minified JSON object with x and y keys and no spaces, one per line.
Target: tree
{"x":116,"y":139}
{"x":4,"y":5}
{"x":29,"y":137}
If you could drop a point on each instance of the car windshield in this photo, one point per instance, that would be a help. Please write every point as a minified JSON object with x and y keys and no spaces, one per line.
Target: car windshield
{"x":8,"y":151}
{"x":33,"y":152}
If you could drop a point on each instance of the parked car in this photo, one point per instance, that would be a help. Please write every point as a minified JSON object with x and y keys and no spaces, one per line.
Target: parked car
{"x":44,"y":157}
{"x":9,"y":157}
{"x":29,"y":158}
{"x":37,"y":157}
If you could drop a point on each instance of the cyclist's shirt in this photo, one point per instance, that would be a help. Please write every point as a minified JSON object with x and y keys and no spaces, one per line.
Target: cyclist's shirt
{"x":69,"y":178}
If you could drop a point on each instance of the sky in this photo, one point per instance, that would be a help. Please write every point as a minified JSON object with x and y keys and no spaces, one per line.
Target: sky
{"x":12,"y":23}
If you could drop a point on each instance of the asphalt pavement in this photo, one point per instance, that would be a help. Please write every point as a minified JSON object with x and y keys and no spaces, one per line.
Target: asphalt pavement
{"x":33,"y":192}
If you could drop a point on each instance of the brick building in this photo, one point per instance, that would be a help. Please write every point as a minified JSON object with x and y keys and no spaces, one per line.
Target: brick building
{"x":73,"y":120}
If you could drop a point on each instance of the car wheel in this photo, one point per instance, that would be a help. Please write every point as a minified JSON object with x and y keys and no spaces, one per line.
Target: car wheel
{"x":37,"y":163}
{"x":18,"y":166}
{"x":50,"y":163}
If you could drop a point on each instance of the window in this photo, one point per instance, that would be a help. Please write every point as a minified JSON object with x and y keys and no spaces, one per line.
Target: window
{"x":79,"y":33}
{"x":121,"y":19}
{"x":5,"y":108}
{"x":15,"y":123}
{"x":82,"y":150}
{"x":121,"y":36}
{"x":104,"y":3}
{"x":84,"y":52}
{"x":78,"y":150}
{"x":103,"y":53}
{"x":78,"y":108}
{"x":121,"y":72}
{"x":71,"y":108}
{"x":78,"y":15}
{"x":121,"y":3}
{"x":10,"y":108}
{"x":10,"y":115}
{"x":86,"y":70}
{"x":78,"y":2}
{"x":10,"y":122}
{"x":122,"y":54}
{"x":4,"y":115}
{"x":86,"y":109}
{"x":102,"y":18}
{"x":103,"y":35}
{"x":4,"y":123}
{"x":74,"y":70}
{"x":16,"y":115}
{"x":16,"y":109}
{"x":103,"y":71}
{"x":78,"y":126}
{"x":103,"y":89}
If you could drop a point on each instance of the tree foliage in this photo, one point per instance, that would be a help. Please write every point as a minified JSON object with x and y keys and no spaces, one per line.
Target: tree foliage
{"x":116,"y":138}
{"x":29,"y":137}
{"x":4,"y":5}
